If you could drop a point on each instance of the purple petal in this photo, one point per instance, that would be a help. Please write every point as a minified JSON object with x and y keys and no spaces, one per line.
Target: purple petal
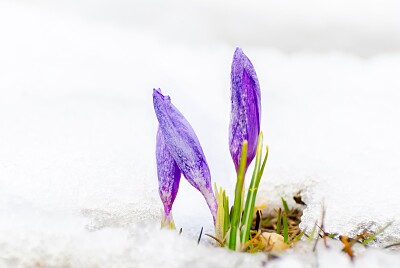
{"x":168,"y":173}
{"x":184,"y":147}
{"x":246,"y":108}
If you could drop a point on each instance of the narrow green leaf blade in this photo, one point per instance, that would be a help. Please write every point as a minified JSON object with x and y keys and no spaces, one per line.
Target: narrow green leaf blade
{"x":285,"y":229}
{"x":278,"y":221}
{"x":237,"y":201}
{"x":285,"y":205}
{"x":251,"y":194}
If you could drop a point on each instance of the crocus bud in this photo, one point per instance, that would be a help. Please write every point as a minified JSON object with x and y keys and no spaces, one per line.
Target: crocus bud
{"x":245,"y":109}
{"x":169,"y":176}
{"x":185,"y":148}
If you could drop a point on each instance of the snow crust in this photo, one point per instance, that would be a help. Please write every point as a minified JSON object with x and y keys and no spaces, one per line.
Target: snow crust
{"x":78,"y":185}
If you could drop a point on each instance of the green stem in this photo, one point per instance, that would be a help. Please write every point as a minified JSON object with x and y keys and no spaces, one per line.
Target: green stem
{"x":238,"y":196}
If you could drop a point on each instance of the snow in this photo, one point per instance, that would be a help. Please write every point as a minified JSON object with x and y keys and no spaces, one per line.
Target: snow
{"x":78,"y":184}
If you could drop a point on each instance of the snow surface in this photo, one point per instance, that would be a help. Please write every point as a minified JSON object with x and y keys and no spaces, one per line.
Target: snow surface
{"x":78,"y":183}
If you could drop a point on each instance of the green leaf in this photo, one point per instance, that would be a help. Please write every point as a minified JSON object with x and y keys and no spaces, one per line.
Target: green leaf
{"x":227,"y":217}
{"x":252,"y":194}
{"x":372,"y":237}
{"x":285,"y":205}
{"x":237,"y":201}
{"x":298,"y":237}
{"x":285,"y":221}
{"x":285,"y":229}
{"x":278,"y":221}
{"x":220,"y":222}
{"x":312,"y":234}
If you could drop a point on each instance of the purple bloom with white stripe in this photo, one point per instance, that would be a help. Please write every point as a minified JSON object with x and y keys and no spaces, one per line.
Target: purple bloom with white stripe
{"x":245,"y":109}
{"x":184,"y":147}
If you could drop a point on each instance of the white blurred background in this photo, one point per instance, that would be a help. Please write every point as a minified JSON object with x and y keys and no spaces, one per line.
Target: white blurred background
{"x":364,"y":28}
{"x":361,"y":27}
{"x":77,"y":127}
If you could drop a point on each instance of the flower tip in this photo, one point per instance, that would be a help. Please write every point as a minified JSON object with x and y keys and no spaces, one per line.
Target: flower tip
{"x":157,"y":91}
{"x":158,"y":96}
{"x":239,"y":54}
{"x":238,"y":50}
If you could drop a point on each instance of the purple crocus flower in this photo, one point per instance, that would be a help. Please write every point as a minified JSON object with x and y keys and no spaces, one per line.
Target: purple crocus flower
{"x":169,"y":176}
{"x":246,"y":108}
{"x":184,"y":146}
